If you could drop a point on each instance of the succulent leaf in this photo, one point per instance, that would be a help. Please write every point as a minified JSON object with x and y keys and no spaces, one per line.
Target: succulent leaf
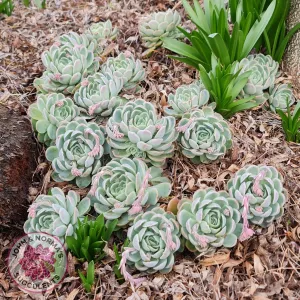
{"x":103,"y":31}
{"x":263,"y":74}
{"x":154,"y":238}
{"x":186,"y":99}
{"x":281,"y":95}
{"x":159,"y":25}
{"x":52,"y":214}
{"x":49,"y":112}
{"x":209,"y":221}
{"x":66,"y":66}
{"x":263,"y":187}
{"x":134,"y":130}
{"x":204,"y":135}
{"x":77,"y":152}
{"x":126,"y":67}
{"x":98,"y":94}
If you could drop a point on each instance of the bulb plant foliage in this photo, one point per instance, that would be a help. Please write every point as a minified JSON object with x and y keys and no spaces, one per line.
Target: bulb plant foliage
{"x":186,"y":99}
{"x":225,"y":85}
{"x":90,"y":238}
{"x":154,"y":237}
{"x":66,"y":67}
{"x":77,"y":152}
{"x":281,"y":97}
{"x":263,"y":70}
{"x":98,"y":94}
{"x":49,"y":112}
{"x":261,"y":189}
{"x":291,"y":123}
{"x":56,"y":214}
{"x":125,"y":187}
{"x":135,"y":130}
{"x":153,"y":28}
{"x":210,"y":220}
{"x":214,"y":35}
{"x":127,"y":68}
{"x":204,"y":135}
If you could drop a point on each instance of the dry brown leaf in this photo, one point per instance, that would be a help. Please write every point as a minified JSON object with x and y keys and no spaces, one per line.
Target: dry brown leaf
{"x":5,"y":284}
{"x":217,"y":259}
{"x":261,"y":296}
{"x":73,"y":294}
{"x":232,"y":263}
{"x":258,"y":266}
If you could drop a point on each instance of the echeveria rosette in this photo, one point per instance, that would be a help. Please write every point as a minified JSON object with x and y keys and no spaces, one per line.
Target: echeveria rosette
{"x":103,"y":31}
{"x":262,"y":189}
{"x":263,"y":74}
{"x":204,"y":135}
{"x":126,"y":187}
{"x":209,"y":221}
{"x":66,"y":67}
{"x":159,"y":25}
{"x":56,"y":214}
{"x":281,"y":97}
{"x":49,"y":112}
{"x":186,"y":99}
{"x":77,"y":152}
{"x":98,"y":94}
{"x":127,"y":68}
{"x":134,"y":130}
{"x":154,"y":237}
{"x":75,"y":40}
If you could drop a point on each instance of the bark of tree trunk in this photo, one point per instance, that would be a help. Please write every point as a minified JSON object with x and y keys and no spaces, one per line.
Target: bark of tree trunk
{"x":18,"y":157}
{"x":291,"y":61}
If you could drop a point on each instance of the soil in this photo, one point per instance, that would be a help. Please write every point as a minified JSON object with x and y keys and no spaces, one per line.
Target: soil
{"x":263,"y":267}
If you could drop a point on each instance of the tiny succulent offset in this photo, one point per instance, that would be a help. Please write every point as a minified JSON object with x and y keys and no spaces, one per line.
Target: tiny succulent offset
{"x":56,"y":214}
{"x":209,"y":221}
{"x":77,"y":152}
{"x":204,"y":135}
{"x":66,"y":67}
{"x":263,"y":74}
{"x":154,"y":238}
{"x":134,"y":130}
{"x":159,"y":25}
{"x":49,"y":112}
{"x":281,"y":97}
{"x":98,"y":94}
{"x":261,"y":189}
{"x":125,"y":187}
{"x":127,"y":68}
{"x":103,"y":31}
{"x":186,"y":99}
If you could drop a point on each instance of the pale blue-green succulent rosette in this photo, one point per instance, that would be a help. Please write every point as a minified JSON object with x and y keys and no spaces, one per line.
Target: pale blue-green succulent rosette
{"x":263,"y":74}
{"x":65,"y":67}
{"x":49,"y":112}
{"x":103,"y":31}
{"x":204,"y":136}
{"x":135,"y":130}
{"x":56,"y":214}
{"x":125,"y":187}
{"x":210,"y":220}
{"x":78,"y":41}
{"x":262,"y":188}
{"x":77,"y":152}
{"x":99,"y":94}
{"x":127,"y":68}
{"x":186,"y":99}
{"x":281,"y":97}
{"x":154,"y":238}
{"x":156,"y":26}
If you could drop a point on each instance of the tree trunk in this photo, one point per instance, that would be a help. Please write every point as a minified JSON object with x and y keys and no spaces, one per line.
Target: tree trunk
{"x":291,"y":61}
{"x":18,"y":156}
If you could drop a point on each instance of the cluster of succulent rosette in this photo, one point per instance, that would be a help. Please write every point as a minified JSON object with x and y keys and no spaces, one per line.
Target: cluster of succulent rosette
{"x":100,"y":122}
